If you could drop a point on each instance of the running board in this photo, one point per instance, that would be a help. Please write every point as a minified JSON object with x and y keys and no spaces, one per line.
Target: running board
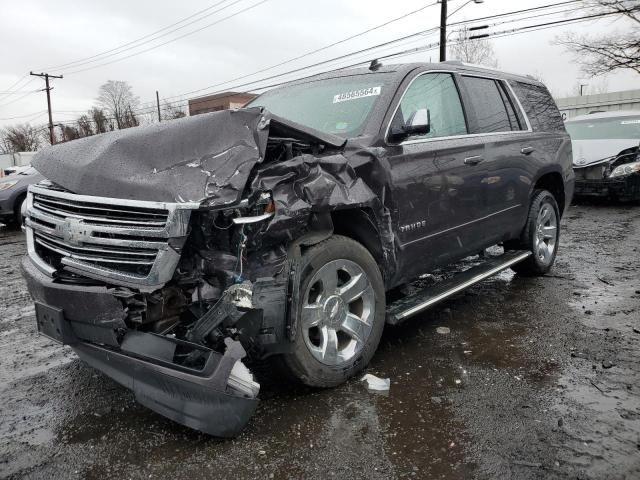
{"x":400,"y":310}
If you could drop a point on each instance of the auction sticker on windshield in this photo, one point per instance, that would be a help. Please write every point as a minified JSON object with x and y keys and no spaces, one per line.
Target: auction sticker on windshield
{"x":363,"y":92}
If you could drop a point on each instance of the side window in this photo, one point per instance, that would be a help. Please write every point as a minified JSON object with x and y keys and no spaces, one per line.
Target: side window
{"x":488,"y":104}
{"x":436,"y":92}
{"x":514,"y":121}
{"x":539,"y":106}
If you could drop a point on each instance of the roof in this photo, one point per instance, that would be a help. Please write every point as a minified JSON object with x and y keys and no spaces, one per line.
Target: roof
{"x":611,"y":114}
{"x":403,"y":69}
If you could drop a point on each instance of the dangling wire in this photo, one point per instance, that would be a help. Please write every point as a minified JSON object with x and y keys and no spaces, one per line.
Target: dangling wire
{"x":241,"y":248}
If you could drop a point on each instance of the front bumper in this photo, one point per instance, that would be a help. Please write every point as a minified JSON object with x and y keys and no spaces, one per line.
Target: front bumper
{"x":91,"y":321}
{"x":623,"y":188}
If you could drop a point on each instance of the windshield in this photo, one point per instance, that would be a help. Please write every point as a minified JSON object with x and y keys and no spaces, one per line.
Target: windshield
{"x":339,"y":106}
{"x":605,"y":128}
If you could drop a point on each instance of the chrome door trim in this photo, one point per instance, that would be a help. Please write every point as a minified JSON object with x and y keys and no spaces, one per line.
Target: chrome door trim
{"x":453,"y":137}
{"x":431,"y":235}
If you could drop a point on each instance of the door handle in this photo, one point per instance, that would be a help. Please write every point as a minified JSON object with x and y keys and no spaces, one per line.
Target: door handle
{"x":475,"y":160}
{"x":527,"y":150}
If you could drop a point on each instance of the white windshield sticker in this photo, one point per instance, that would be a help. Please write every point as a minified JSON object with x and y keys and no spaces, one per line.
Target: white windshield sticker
{"x":624,"y":122}
{"x":363,"y":92}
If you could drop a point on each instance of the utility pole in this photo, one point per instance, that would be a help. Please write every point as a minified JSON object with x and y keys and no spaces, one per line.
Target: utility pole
{"x":48,"y":89}
{"x":158,"y":103}
{"x":443,"y":30}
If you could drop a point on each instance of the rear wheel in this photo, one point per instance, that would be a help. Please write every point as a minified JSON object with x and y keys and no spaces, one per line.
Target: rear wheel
{"x":541,"y":235}
{"x":340,"y":314}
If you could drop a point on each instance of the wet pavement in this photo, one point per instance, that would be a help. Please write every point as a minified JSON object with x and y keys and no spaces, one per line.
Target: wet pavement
{"x":538,"y":378}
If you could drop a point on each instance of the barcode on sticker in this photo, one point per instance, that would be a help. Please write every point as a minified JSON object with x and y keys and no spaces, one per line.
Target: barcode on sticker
{"x":363,"y":92}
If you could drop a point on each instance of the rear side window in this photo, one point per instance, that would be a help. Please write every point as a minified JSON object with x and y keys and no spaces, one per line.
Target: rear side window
{"x":539,"y":106}
{"x":491,"y":112}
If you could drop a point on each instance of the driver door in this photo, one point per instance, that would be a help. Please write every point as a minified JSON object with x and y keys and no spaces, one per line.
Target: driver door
{"x":438,"y":177}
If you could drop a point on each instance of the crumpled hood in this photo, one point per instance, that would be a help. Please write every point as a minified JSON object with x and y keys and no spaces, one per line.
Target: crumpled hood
{"x":205,"y":157}
{"x":586,"y":152}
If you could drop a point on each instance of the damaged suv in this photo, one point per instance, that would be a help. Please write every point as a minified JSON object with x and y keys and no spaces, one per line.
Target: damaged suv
{"x":606,"y":150}
{"x":163,"y":255}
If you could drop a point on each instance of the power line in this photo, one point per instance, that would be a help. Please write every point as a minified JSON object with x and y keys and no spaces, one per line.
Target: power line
{"x":423,"y":32}
{"x":416,"y":50}
{"x":24,"y":116}
{"x":173,"y":39}
{"x":152,"y":34}
{"x":499,"y":34}
{"x":317,"y":50}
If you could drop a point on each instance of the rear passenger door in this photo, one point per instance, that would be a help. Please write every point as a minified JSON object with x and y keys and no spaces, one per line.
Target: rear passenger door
{"x":494,"y":117}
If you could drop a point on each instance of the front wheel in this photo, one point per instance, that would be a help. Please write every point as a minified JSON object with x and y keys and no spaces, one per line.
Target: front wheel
{"x":340,"y":313}
{"x":541,"y":235}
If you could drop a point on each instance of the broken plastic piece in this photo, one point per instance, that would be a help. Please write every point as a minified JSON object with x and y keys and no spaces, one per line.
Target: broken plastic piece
{"x":376,"y":384}
{"x":241,"y":380}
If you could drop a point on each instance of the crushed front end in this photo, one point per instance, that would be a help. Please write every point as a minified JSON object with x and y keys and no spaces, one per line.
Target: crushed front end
{"x":164,"y":255}
{"x":617,"y":177}
{"x":137,"y":291}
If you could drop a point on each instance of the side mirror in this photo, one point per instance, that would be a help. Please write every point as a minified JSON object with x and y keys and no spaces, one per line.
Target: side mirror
{"x":418,"y":124}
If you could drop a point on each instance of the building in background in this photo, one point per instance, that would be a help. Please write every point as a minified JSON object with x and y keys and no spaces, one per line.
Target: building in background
{"x":605,"y":102}
{"x":220,"y":101}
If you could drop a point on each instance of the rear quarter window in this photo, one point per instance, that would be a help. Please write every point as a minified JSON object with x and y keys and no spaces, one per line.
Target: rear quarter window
{"x":539,"y":106}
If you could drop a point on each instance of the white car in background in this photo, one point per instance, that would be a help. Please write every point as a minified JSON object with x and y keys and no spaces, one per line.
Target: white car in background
{"x":606,"y":158}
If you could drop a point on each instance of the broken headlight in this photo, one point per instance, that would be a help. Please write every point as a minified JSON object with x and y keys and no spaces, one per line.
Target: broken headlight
{"x":625,"y":169}
{"x":263,"y":209}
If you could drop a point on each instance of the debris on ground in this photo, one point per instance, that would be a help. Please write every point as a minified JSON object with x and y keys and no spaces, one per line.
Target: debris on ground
{"x":376,"y":384}
{"x":443,"y":330}
{"x":608,"y":364}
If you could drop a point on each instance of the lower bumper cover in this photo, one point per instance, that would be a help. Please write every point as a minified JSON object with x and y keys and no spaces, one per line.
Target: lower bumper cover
{"x":88,"y":322}
{"x":625,"y":188}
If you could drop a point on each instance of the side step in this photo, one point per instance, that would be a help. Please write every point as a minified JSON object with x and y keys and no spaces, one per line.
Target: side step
{"x":400,"y":310}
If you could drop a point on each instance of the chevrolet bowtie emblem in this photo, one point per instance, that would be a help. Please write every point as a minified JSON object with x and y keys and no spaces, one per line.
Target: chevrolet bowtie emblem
{"x":74,"y":231}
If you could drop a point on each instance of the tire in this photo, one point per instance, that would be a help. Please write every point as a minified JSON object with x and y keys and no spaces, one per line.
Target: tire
{"x":541,"y":235}
{"x":339,"y":316}
{"x":18,"y":211}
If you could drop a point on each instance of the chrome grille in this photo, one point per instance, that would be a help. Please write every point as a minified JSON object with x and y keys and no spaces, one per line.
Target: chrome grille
{"x":123,"y":242}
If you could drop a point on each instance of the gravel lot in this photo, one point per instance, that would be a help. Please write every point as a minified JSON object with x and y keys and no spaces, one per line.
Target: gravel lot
{"x":538,"y":378}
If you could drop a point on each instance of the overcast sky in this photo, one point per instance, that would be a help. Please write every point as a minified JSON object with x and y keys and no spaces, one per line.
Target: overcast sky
{"x":37,"y":35}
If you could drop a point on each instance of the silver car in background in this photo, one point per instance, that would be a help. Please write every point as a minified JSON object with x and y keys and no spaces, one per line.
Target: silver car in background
{"x":606,"y":159}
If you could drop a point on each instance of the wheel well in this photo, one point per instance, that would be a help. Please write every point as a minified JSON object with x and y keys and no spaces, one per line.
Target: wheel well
{"x":357,"y":224}
{"x":18,"y":202}
{"x":554,"y":184}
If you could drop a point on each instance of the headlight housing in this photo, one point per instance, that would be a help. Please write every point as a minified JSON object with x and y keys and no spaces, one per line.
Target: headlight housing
{"x":7,"y":185}
{"x":625,"y":169}
{"x":264,"y":208}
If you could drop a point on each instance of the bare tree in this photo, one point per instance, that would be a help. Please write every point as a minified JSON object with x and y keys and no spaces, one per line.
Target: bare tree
{"x":85,"y":126}
{"x":69,"y":132}
{"x":614,"y":51}
{"x":100,"y":121}
{"x":20,"y":138}
{"x":171,"y":111}
{"x":479,"y":50}
{"x":117,"y":99}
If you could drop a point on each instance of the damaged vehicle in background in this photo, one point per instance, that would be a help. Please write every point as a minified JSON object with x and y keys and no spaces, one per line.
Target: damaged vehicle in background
{"x":606,"y":154}
{"x":163,"y":255}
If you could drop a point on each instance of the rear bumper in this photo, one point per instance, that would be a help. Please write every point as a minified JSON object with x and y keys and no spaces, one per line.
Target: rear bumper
{"x":91,"y":321}
{"x":624,"y":188}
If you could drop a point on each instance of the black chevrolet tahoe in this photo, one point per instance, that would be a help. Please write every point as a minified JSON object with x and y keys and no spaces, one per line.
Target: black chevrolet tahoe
{"x":164,"y":255}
